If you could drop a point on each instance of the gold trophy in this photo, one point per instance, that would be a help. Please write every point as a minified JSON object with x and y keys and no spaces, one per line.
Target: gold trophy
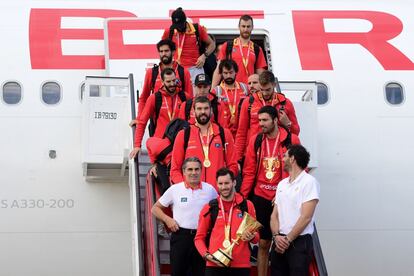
{"x":224,"y":255}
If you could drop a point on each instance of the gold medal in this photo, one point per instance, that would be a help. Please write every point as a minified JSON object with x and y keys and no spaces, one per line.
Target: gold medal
{"x":226,"y":243}
{"x":207,"y":163}
{"x":270,"y":175}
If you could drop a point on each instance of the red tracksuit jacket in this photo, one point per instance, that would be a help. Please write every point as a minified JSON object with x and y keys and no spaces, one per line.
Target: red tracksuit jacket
{"x":163,"y":118}
{"x":241,"y":252}
{"x":146,"y":88}
{"x":216,"y":154}
{"x":261,"y":185}
{"x":248,"y":127}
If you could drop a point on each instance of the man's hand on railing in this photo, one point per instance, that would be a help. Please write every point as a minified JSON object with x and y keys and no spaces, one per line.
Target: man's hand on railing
{"x":153,"y":170}
{"x":134,"y":152}
{"x":133,"y":123}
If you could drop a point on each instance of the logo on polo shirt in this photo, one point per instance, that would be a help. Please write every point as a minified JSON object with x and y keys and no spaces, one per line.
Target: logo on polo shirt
{"x":183,"y":199}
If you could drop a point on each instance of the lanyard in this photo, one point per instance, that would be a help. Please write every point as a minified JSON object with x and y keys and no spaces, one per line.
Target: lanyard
{"x":180,"y":45}
{"x":274,"y":99}
{"x":232,"y":106}
{"x":245,"y":59}
{"x":227,"y":223}
{"x":174,"y":106}
{"x":274,"y":146}
{"x":206,"y":147}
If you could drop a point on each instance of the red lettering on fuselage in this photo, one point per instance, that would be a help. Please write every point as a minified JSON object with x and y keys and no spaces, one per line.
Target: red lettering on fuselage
{"x":119,"y":50}
{"x":46,"y":34}
{"x":312,"y":39}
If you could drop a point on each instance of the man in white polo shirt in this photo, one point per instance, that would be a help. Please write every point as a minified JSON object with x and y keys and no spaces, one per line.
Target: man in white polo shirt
{"x":187,"y":199}
{"x":293,"y":216}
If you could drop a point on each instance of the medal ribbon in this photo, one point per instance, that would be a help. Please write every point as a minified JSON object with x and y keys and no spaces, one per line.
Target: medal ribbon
{"x":245,"y":59}
{"x":180,"y":45}
{"x":207,"y":144}
{"x":228,"y":221}
{"x":274,"y":146}
{"x":232,"y":107}
{"x":173,"y":105}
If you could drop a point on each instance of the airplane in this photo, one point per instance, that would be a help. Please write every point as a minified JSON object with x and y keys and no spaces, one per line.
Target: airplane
{"x":70,"y":199}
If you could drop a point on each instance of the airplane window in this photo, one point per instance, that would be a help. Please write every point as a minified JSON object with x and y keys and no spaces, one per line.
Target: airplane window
{"x":394,"y":93}
{"x":12,"y":92}
{"x":51,"y":93}
{"x":93,"y":90}
{"x":322,"y":93}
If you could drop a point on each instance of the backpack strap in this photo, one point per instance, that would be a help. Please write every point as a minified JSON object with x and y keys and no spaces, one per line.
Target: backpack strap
{"x":181,"y":74}
{"x":161,"y":156}
{"x":197,"y":33}
{"x":153,"y":121}
{"x":171,"y":33}
{"x":188,"y":105}
{"x":288,"y":141}
{"x":154,"y":75}
{"x":182,"y":96}
{"x":245,"y":88}
{"x":214,"y":106}
{"x":229,"y":49}
{"x":251,"y":100}
{"x":186,"y":137}
{"x":256,"y":53}
{"x":281,"y":98}
{"x":223,"y":141}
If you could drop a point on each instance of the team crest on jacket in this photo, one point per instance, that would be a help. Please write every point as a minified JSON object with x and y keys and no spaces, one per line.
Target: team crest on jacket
{"x":240,"y":215}
{"x":217,"y":145}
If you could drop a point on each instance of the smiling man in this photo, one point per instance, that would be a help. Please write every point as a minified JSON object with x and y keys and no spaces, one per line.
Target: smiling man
{"x":218,"y":224}
{"x":187,"y":199}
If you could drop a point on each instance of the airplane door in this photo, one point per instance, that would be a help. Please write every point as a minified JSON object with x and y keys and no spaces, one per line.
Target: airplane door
{"x":304,"y":97}
{"x":108,"y":105}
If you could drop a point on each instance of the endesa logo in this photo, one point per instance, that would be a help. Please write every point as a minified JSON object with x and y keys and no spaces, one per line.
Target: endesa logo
{"x":48,"y":36}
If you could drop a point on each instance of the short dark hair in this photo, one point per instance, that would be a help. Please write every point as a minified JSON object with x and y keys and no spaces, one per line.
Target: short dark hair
{"x":223,"y":172}
{"x":301,"y":155}
{"x":167,"y":42}
{"x":245,"y":17}
{"x":167,"y":71}
{"x":190,"y":159}
{"x":228,"y":64}
{"x":266,"y":77}
{"x":201,"y":99}
{"x":268,"y":109}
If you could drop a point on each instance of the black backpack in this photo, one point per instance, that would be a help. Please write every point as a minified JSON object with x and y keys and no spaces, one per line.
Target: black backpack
{"x":201,"y":45}
{"x":229,"y":50}
{"x":158,"y":103}
{"x":214,"y":106}
{"x":154,"y":75}
{"x":171,"y":131}
{"x":214,"y":209}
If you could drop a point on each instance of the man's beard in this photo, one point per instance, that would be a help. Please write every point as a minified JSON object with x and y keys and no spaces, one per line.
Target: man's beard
{"x":268,"y":130}
{"x":229,"y":81}
{"x":245,"y":35}
{"x":166,"y":60}
{"x":203,"y":119}
{"x":171,"y":89}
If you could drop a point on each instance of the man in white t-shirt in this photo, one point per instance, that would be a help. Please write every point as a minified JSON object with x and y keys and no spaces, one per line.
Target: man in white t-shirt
{"x":293,"y":216}
{"x":186,"y":199}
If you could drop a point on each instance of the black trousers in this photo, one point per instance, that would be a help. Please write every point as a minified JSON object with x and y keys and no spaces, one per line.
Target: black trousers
{"x":295,"y":260}
{"x":184,"y":257}
{"x":227,"y":271}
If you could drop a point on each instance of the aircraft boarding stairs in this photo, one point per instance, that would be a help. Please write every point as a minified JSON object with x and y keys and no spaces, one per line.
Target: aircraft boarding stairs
{"x":108,"y":105}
